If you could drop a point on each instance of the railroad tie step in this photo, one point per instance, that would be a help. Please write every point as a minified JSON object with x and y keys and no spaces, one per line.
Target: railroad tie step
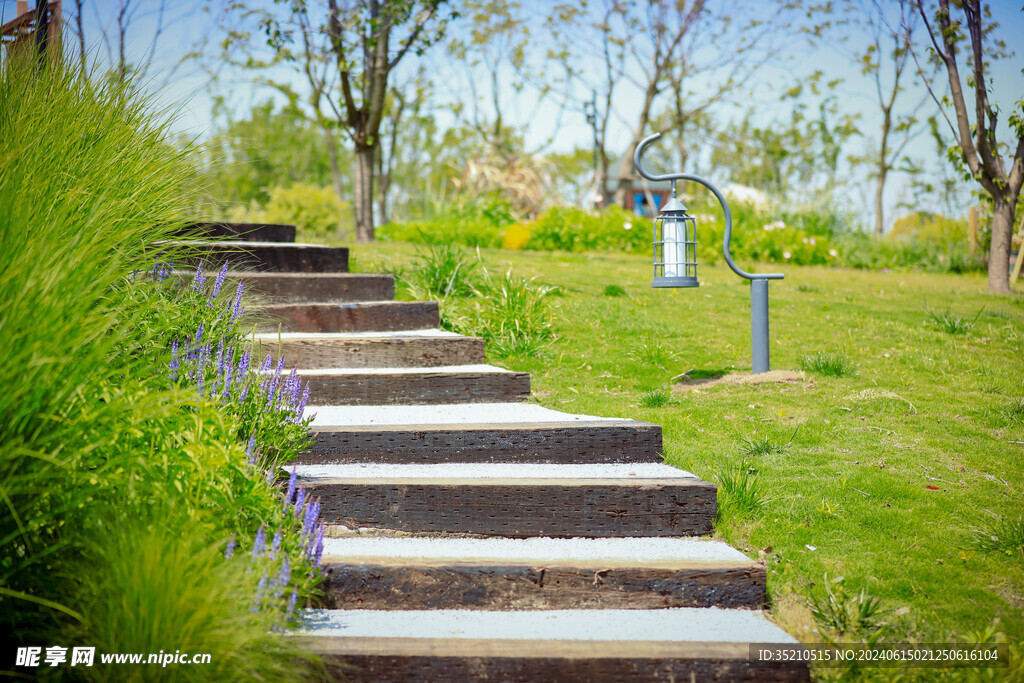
{"x":304,"y":288}
{"x":513,"y":499}
{"x":678,"y":644}
{"x":367,"y":316}
{"x":251,"y":232}
{"x":397,"y":349}
{"x":436,"y":572}
{"x":390,"y":386}
{"x":279,"y":257}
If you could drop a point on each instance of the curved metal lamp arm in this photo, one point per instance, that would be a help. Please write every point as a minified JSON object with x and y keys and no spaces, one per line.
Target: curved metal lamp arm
{"x":721,"y":200}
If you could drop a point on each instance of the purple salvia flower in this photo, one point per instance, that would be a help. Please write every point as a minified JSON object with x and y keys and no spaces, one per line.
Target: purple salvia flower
{"x":267,"y":363}
{"x":292,"y":481}
{"x":300,"y":501}
{"x":245,"y":392}
{"x":270,"y":472}
{"x":165,"y":271}
{"x":220,"y":356}
{"x":175,"y":361}
{"x":199,"y":334}
{"x":272,"y":390}
{"x":199,"y":280}
{"x":284,"y":577}
{"x":292,"y":385}
{"x":243,"y":365}
{"x":230,"y":550}
{"x":302,"y":403}
{"x":155,"y":273}
{"x":260,"y":589}
{"x":227,"y":380}
{"x":260,"y":544}
{"x":318,"y":553}
{"x":218,"y":284}
{"x":276,"y":544}
{"x":312,"y":511}
{"x":250,"y":450}
{"x":236,"y":306}
{"x":292,"y":600}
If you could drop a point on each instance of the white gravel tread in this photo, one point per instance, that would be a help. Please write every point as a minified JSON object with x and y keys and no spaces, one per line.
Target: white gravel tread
{"x":681,"y":624}
{"x":438,"y":369}
{"x":490,"y":470}
{"x":462,"y":413}
{"x":538,"y":549}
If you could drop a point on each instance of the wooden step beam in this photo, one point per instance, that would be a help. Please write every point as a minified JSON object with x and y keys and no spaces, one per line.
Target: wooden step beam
{"x":301,"y":288}
{"x":391,"y":386}
{"x":353,"y":317}
{"x":251,"y":232}
{"x":275,"y":257}
{"x":434,"y":572}
{"x":515,"y":500}
{"x":375,"y":350}
{"x":599,"y":441}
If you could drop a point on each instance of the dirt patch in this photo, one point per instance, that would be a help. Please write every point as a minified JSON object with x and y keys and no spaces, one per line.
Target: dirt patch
{"x":735,"y":379}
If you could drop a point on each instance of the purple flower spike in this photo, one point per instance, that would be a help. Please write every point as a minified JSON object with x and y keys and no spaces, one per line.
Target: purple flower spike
{"x":218,"y":283}
{"x":175,"y":361}
{"x":292,"y":386}
{"x":227,"y":380}
{"x":272,"y":390}
{"x":220,"y":355}
{"x":276,"y":544}
{"x":245,"y":392}
{"x":250,"y":450}
{"x":312,"y":512}
{"x":300,"y":501}
{"x":302,"y":403}
{"x":292,"y":600}
{"x":243,"y":365}
{"x":199,"y":334}
{"x":260,"y":544}
{"x":267,"y":362}
{"x":199,"y":280}
{"x":319,"y":552}
{"x":292,"y":481}
{"x":230,"y":550}
{"x":236,"y":306}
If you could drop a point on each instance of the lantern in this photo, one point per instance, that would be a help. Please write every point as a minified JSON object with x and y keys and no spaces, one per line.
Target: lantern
{"x":675,"y":246}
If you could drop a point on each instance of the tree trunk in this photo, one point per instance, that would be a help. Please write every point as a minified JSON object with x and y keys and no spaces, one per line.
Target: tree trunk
{"x":336,"y":181}
{"x":363,"y":194}
{"x":999,"y":250}
{"x":879,"y":199}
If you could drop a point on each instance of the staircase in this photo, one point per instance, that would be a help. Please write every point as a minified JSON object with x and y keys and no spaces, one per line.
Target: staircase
{"x":476,"y":536}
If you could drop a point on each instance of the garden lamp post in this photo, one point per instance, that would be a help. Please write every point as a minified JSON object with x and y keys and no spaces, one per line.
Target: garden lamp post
{"x":675,"y":256}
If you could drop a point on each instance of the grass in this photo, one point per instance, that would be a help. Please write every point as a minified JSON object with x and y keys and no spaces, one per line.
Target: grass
{"x":121,"y":489}
{"x":656,"y":398}
{"x":828,"y":365}
{"x":925,"y":409}
{"x":952,"y":323}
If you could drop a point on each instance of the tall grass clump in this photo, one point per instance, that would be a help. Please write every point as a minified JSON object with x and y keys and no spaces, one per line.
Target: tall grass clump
{"x":828,"y":365}
{"x":131,"y":507}
{"x":951,"y":323}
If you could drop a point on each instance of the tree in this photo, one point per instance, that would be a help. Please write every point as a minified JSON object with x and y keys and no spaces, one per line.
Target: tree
{"x":348,"y":60}
{"x":888,"y":51}
{"x":975,"y":132}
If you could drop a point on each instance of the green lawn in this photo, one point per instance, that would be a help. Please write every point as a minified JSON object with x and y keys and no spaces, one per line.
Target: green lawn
{"x":887,"y":477}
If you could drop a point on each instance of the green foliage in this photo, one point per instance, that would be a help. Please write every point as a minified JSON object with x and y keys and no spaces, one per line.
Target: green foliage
{"x":511,"y":313}
{"x":1013,"y":411}
{"x":101,"y":456}
{"x":739,"y":489}
{"x":653,"y":353}
{"x":269,"y":148}
{"x":764,"y":444}
{"x":575,"y":229}
{"x":316,"y":212}
{"x":469,"y":225}
{"x":841,"y":612}
{"x":951,"y":323}
{"x":828,"y":365}
{"x":614,"y":290}
{"x":1001,"y":534}
{"x":655,"y":398}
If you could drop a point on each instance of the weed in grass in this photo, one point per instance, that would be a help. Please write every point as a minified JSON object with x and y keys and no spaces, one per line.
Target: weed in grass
{"x":828,"y":365}
{"x":1004,"y":534}
{"x":653,"y":352}
{"x":655,"y":398}
{"x":806,"y":288}
{"x":765,"y":444}
{"x":442,"y":271}
{"x":1014,"y":410}
{"x":951,"y":323}
{"x":739,"y":489}
{"x":614,"y":290}
{"x":839,"y":611}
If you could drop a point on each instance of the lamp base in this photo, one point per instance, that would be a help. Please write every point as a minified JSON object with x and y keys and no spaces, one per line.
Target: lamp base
{"x":675,"y":282}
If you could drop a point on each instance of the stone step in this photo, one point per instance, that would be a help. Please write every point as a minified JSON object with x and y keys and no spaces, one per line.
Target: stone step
{"x":367,"y":316}
{"x":380,"y":572}
{"x":278,"y":257}
{"x":399,"y":349}
{"x":679,"y":644}
{"x":475,"y":432}
{"x":390,"y":386}
{"x":513,"y":499}
{"x":251,"y":232}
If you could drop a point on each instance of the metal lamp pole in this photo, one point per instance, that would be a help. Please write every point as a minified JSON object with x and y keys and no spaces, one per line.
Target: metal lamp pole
{"x":760,"y":350}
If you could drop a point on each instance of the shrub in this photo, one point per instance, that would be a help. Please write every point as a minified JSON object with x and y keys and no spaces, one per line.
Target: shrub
{"x":828,"y":365}
{"x":317,"y":212}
